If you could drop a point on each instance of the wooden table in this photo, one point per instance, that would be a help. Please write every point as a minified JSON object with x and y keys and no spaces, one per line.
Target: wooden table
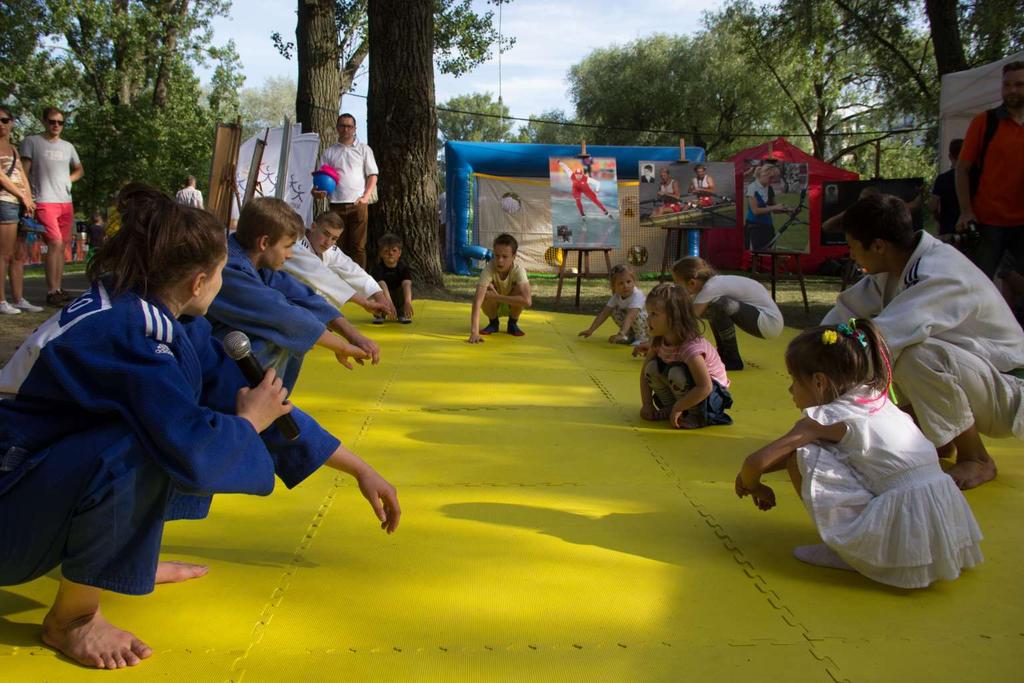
{"x":582,"y":268}
{"x":786,"y":254}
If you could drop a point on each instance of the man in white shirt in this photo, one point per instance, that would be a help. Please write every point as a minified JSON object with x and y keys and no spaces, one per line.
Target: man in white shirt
{"x":189,"y":195}
{"x":957,"y":351}
{"x":358,"y":170}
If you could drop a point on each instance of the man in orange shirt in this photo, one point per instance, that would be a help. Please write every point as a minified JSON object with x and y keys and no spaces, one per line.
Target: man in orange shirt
{"x":994,"y":146}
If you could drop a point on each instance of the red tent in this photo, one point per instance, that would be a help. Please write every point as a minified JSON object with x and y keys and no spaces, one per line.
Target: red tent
{"x":725,"y":247}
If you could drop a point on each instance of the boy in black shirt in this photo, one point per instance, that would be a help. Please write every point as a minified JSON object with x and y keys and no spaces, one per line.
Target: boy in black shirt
{"x":393,"y":277}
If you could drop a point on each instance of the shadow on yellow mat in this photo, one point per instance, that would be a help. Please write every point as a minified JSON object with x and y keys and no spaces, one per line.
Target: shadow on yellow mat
{"x":548,"y":534}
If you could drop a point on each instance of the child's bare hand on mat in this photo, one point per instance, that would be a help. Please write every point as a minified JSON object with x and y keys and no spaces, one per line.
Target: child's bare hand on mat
{"x":369,"y":347}
{"x":617,"y":338}
{"x":641,"y":349}
{"x":475,"y":338}
{"x":764,"y":497}
{"x":382,"y":497}
{"x":350,"y":351}
{"x":263,"y":403}
{"x":376,"y":307}
{"x":585,"y":333}
{"x":675,"y":418}
{"x":741,"y":490}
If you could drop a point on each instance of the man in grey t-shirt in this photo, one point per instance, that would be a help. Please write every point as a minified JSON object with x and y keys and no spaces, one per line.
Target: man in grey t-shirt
{"x":52,"y":165}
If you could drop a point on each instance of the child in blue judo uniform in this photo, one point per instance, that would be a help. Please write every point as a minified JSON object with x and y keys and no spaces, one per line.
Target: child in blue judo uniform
{"x":283,"y":317}
{"x":122,"y":411}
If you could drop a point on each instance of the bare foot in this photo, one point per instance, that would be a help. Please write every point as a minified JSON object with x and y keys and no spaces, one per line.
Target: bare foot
{"x":91,"y":640}
{"x":971,"y":473}
{"x":176,"y":572}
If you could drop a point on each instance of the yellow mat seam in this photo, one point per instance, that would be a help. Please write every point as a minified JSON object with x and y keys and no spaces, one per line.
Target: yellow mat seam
{"x":238,"y":666}
{"x":759,"y":582}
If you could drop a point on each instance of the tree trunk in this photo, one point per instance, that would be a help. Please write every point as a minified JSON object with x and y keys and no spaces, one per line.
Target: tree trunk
{"x":943,"y":18}
{"x":176,"y":14}
{"x":319,"y":87}
{"x":402,"y":124}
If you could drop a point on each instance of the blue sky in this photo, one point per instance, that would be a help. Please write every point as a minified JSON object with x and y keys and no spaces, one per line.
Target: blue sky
{"x":551,"y":36}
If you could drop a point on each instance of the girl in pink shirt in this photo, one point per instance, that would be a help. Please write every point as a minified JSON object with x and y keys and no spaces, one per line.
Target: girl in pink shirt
{"x":683,"y":379}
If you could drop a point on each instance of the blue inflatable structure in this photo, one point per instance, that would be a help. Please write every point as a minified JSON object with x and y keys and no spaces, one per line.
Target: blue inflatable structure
{"x":463,"y":159}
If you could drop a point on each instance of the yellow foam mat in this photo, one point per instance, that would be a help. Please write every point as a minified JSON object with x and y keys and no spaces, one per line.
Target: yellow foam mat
{"x":548,"y":535}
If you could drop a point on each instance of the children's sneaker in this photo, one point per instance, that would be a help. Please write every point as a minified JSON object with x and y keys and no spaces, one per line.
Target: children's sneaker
{"x":23,"y":305}
{"x":55,"y":299}
{"x":378,"y":320}
{"x":513,"y":329}
{"x":7,"y":309}
{"x":65,"y":297}
{"x":405,"y":321}
{"x":491,"y":328}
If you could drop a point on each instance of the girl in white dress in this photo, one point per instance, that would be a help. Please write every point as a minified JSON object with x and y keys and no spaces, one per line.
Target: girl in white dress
{"x":869,"y":478}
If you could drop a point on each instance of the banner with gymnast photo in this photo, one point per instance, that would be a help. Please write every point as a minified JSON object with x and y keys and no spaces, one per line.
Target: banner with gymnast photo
{"x":775,"y":206}
{"x":584,"y":203}
{"x":699,"y":195}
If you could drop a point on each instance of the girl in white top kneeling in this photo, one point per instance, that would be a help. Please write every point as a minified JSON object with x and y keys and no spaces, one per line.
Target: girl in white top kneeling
{"x":867,"y":475}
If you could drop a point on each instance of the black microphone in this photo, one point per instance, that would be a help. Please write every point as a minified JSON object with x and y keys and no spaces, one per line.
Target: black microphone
{"x":238,"y":348}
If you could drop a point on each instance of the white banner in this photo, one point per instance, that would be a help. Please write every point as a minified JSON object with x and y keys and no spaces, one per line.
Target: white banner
{"x":301,"y":164}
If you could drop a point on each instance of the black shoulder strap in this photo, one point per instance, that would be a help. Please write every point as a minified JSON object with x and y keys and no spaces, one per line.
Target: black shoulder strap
{"x":991,"y":125}
{"x":977,"y":168}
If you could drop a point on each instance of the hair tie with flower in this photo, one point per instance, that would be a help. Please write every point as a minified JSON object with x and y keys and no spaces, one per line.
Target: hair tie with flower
{"x":849,"y":329}
{"x":829,"y":337}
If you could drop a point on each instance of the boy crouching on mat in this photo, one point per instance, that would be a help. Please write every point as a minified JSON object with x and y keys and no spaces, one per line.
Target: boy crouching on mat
{"x":393,"y":278}
{"x":503,"y":290}
{"x":283,"y":317}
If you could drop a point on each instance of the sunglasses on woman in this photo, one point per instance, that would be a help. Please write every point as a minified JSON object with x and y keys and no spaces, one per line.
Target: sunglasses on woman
{"x":5,"y":119}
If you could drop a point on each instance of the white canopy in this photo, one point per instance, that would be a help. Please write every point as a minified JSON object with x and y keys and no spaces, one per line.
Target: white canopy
{"x":966,"y":94}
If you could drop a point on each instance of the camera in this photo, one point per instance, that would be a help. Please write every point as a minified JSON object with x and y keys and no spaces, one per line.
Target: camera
{"x":968,"y":239}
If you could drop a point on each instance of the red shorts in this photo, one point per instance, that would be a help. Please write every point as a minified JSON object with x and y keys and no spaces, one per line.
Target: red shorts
{"x":58,"y":219}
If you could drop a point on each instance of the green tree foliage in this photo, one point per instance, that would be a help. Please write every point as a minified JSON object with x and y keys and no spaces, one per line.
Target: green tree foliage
{"x":667,"y":84}
{"x":836,"y":76}
{"x":548,"y":128}
{"x":488,"y":125}
{"x":332,"y":43}
{"x":123,"y":71}
{"x":267,"y":106}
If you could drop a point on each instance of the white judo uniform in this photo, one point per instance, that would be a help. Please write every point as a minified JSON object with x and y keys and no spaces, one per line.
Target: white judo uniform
{"x":954,"y":342}
{"x":333,"y":275}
